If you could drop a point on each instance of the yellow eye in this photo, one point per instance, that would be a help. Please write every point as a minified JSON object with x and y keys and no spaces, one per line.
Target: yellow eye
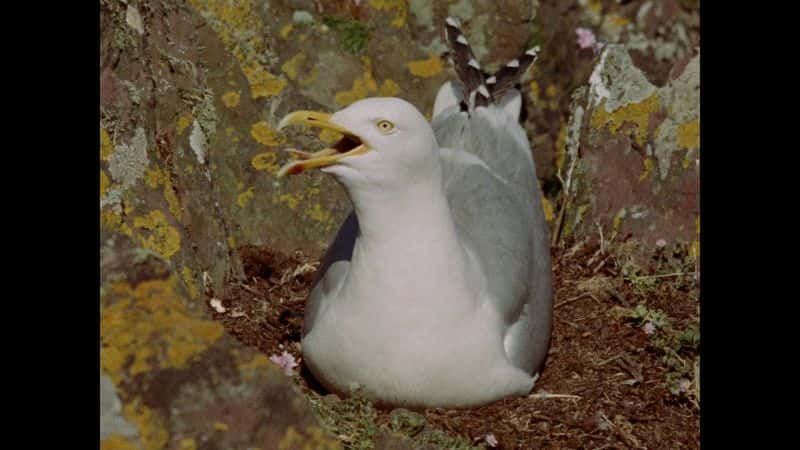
{"x":385,"y":126}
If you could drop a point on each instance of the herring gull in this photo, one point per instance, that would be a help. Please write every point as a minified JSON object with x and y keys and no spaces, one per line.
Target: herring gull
{"x":437,"y":289}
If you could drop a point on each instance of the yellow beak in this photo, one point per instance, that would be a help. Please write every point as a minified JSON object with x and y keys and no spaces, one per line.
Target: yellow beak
{"x":322,"y":158}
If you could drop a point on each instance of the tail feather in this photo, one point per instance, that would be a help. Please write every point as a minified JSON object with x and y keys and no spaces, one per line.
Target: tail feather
{"x":476,"y":93}
{"x":511,"y":74}
{"x":479,"y":90}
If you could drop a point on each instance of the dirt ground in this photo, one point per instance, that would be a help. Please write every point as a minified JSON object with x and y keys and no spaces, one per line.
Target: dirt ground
{"x":622,"y":371}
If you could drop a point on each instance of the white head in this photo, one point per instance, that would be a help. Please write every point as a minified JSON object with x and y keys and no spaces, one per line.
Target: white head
{"x":388,"y":143}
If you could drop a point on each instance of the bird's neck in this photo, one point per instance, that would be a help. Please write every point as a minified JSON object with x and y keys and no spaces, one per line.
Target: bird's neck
{"x":407,"y":241}
{"x":417,"y":207}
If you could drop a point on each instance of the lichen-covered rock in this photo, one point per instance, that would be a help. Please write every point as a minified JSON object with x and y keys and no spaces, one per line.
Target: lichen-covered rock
{"x":633,"y":153}
{"x":172,"y":378}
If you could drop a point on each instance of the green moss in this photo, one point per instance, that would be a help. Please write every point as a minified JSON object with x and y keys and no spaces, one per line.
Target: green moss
{"x":353,"y":35}
{"x":352,"y":419}
{"x":355,"y":421}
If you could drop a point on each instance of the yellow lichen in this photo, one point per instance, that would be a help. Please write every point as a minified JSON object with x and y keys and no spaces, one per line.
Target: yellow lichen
{"x":689,"y":135}
{"x":648,"y":169}
{"x":329,"y":136}
{"x":231,"y":99}
{"x":426,"y":68}
{"x":244,"y":198}
{"x":697,"y":225}
{"x":187,"y":444}
{"x":239,"y":27}
{"x":694,"y":250}
{"x":184,"y":120}
{"x":150,"y":327}
{"x":551,"y":91}
{"x":155,"y":177}
{"x":361,"y":86}
{"x":232,"y":134}
{"x":231,"y":242}
{"x":548,"y":209}
{"x":262,"y":83}
{"x":358,"y":92}
{"x":618,"y":220}
{"x":636,"y":113}
{"x":311,"y":438}
{"x":291,"y":199}
{"x":265,"y":161}
{"x":618,"y":20}
{"x":163,"y":238}
{"x":117,"y":442}
{"x":105,"y":183}
{"x":250,"y":368}
{"x":188,"y":281}
{"x":265,"y":135}
{"x":152,"y":177}
{"x":106,"y":147}
{"x":151,"y":426}
{"x":319,"y":214}
{"x":561,"y":148}
{"x":595,"y":6}
{"x":398,"y":7}
{"x":535,"y":91}
{"x":220,"y":426}
{"x":285,"y":30}
{"x":113,"y":221}
{"x":388,"y":88}
{"x":173,"y":203}
{"x":291,"y":439}
{"x":291,"y":66}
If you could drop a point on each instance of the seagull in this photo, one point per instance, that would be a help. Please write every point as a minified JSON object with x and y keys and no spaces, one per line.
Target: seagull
{"x":437,"y":289}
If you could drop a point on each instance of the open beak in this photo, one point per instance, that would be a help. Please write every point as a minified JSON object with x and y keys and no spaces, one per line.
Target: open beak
{"x":349,"y":145}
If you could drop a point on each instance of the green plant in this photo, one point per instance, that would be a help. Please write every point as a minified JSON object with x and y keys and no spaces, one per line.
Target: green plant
{"x":353,"y":35}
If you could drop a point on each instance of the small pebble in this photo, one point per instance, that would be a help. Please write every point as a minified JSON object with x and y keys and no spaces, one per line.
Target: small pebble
{"x":217,"y":305}
{"x":302,"y":17}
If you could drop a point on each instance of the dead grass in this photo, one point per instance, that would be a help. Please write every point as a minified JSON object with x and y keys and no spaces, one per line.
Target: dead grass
{"x":607,"y":382}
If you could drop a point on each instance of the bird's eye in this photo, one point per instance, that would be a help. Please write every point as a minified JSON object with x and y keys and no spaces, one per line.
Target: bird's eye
{"x":385,"y":126}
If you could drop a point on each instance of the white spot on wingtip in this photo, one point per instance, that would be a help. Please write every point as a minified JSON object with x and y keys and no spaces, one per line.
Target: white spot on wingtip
{"x":514,"y":63}
{"x":533,"y":51}
{"x":462,"y":40}
{"x":474,"y":63}
{"x":452,"y":22}
{"x":491,"y":80}
{"x":484,"y":92}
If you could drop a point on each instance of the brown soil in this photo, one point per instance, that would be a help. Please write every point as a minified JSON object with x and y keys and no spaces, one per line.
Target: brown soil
{"x":616,"y":377}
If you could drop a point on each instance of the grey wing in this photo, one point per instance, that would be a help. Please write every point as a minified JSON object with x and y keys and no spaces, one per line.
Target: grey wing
{"x":332,"y":271}
{"x":496,"y":204}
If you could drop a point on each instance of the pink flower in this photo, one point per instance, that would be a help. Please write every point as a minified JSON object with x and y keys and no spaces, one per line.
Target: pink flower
{"x":491,"y":440}
{"x":649,"y":328}
{"x":587,"y":39}
{"x":286,"y":362}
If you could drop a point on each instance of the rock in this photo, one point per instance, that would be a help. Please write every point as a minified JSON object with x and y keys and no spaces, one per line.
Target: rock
{"x":112,"y":423}
{"x":172,"y":377}
{"x":302,"y":17}
{"x":633,"y":153}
